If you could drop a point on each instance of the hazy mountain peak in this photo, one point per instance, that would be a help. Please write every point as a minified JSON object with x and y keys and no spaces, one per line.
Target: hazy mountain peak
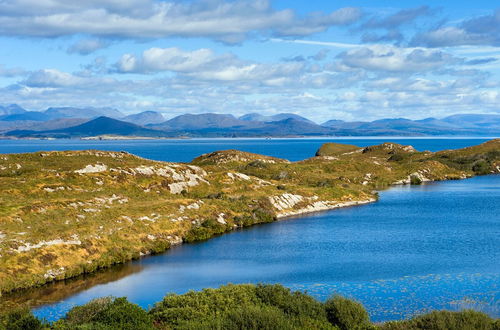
{"x":87,"y":112}
{"x":11,"y":109}
{"x":278,"y":117}
{"x":145,"y":118}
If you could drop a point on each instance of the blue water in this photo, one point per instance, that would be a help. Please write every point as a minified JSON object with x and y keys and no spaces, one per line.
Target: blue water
{"x":186,"y":150}
{"x":419,"y":248}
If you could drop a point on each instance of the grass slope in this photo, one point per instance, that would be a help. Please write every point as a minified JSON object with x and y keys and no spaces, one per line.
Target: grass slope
{"x":67,"y":213}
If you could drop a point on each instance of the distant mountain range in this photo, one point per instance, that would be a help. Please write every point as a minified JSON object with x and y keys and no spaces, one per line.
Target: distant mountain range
{"x":69,"y":122}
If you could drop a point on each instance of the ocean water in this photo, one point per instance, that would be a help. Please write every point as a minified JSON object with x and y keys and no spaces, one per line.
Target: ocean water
{"x":419,"y":248}
{"x":185,"y":150}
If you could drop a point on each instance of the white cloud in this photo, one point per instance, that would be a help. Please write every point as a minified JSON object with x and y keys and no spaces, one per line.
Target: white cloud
{"x":228,"y":21}
{"x":170,"y":59}
{"x":481,"y":30}
{"x":204,"y":64}
{"x":52,"y":78}
{"x":396,"y":59}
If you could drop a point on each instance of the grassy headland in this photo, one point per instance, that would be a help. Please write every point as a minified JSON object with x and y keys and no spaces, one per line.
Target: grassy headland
{"x":67,"y":213}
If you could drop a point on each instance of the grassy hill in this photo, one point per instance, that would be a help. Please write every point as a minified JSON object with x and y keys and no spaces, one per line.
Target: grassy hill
{"x":67,"y":213}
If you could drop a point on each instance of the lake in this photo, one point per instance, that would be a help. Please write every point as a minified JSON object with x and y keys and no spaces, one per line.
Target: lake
{"x":434,"y":246}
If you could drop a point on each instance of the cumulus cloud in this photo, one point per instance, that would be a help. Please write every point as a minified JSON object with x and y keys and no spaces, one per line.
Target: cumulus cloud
{"x":228,"y":21}
{"x":172,"y":59}
{"x":482,"y":30}
{"x":204,"y":64}
{"x":87,"y":46}
{"x":318,"y":22}
{"x":51,"y":78}
{"x":395,"y":59}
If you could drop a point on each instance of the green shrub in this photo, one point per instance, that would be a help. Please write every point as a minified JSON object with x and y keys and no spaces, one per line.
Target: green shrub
{"x":481,"y":167}
{"x":346,"y":314}
{"x":106,"y":313}
{"x":244,"y":306}
{"x":291,"y":303}
{"x":20,"y":319}
{"x":252,"y":318}
{"x":206,"y":230}
{"x":175,"y":309}
{"x":444,"y":320}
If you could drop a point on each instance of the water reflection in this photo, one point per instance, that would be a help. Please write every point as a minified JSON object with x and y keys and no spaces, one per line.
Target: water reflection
{"x":58,"y":291}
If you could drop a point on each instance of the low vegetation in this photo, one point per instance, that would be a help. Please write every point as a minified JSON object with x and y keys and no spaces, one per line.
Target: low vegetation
{"x":68,"y":213}
{"x":243,"y":306}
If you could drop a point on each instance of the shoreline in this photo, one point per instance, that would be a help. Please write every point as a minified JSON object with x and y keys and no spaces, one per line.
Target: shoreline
{"x":319,"y":137}
{"x":194,"y":202}
{"x":323,"y":206}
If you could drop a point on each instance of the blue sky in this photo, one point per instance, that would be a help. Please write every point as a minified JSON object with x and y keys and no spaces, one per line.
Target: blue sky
{"x":350,"y":60}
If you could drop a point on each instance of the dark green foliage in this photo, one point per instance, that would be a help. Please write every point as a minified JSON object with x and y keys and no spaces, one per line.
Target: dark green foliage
{"x":446,"y":320}
{"x":397,"y":157}
{"x":21,"y":319}
{"x":205,"y":230}
{"x":219,"y":195}
{"x":346,"y":314}
{"x":481,"y":167}
{"x":251,"y":318}
{"x":292,"y":303}
{"x":480,"y":163}
{"x":178,"y":309}
{"x":241,"y":307}
{"x":106,"y":313}
{"x":257,"y":164}
{"x":244,"y":306}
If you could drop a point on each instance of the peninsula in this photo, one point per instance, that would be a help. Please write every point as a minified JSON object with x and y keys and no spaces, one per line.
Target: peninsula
{"x":67,"y":213}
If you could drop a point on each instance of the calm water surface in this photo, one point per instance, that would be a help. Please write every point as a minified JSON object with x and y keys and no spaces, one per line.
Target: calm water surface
{"x":186,"y":150}
{"x":419,"y":248}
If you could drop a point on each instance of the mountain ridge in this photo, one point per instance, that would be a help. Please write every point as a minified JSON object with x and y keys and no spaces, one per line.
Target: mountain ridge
{"x":18,"y":122}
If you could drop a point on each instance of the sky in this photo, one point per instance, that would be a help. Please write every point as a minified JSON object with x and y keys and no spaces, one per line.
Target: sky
{"x":347,"y":60}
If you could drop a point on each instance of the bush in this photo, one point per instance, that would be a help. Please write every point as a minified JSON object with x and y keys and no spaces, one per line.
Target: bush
{"x":245,"y":306}
{"x":206,"y":230}
{"x":106,"y":313}
{"x":346,"y":314}
{"x":467,"y":319}
{"x":252,"y":318}
{"x":176,"y":309}
{"x":481,"y":167}
{"x":291,"y":303}
{"x":446,"y":320}
{"x":20,"y":319}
